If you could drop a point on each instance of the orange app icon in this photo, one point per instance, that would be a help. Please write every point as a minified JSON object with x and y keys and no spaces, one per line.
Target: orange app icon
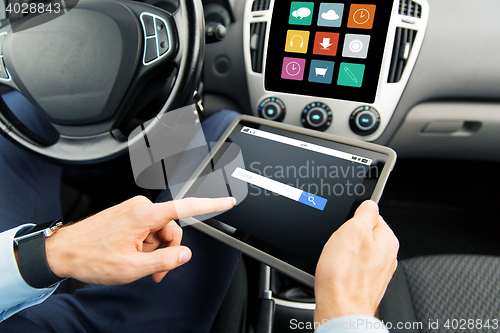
{"x":361,"y":16}
{"x":326,"y":43}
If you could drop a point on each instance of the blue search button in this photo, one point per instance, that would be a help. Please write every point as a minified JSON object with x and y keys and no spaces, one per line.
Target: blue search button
{"x":313,"y":200}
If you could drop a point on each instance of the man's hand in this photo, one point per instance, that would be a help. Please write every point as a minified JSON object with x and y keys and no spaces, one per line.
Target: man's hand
{"x":122,"y":244}
{"x":355,"y":266}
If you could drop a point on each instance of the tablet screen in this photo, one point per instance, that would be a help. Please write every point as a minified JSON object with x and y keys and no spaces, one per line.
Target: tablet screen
{"x":324,"y":49}
{"x":300,"y":190}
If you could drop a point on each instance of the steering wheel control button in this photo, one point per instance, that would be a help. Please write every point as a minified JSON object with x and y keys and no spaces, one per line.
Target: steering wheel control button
{"x":364,"y":120}
{"x":149,"y":25}
{"x":317,"y":116}
{"x":162,"y":37}
{"x":157,"y":37}
{"x":150,"y":53}
{"x":272,"y":108}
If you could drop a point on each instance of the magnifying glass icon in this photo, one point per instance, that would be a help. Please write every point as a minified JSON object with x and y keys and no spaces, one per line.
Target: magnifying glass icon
{"x":311,"y":199}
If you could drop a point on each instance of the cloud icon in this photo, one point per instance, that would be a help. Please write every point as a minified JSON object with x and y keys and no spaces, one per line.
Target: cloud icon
{"x":330,"y":15}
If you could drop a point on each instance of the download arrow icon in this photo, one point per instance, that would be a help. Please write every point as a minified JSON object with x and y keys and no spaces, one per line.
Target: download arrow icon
{"x":326,"y":43}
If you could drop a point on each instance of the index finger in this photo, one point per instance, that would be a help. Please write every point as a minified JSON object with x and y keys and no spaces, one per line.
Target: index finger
{"x":184,"y":208}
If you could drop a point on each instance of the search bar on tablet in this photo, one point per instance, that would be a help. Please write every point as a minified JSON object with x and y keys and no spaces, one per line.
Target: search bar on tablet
{"x":285,"y":190}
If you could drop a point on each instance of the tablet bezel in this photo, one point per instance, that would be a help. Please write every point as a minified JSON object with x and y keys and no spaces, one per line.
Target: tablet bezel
{"x":281,"y":265}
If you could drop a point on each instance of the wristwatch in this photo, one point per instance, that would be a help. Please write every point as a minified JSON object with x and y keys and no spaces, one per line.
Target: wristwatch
{"x":31,"y":256}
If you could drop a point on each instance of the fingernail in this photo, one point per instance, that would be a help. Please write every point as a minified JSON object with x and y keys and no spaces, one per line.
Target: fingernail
{"x":372,"y":204}
{"x":232,"y":201}
{"x":184,"y":256}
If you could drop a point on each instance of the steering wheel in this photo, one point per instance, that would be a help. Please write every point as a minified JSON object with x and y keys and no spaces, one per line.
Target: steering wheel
{"x":87,"y":68}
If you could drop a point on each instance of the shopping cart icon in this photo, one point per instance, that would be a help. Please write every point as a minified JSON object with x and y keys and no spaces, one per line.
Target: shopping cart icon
{"x":321,"y":71}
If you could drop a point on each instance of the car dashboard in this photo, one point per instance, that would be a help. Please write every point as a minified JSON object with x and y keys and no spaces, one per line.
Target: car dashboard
{"x":366,"y":115}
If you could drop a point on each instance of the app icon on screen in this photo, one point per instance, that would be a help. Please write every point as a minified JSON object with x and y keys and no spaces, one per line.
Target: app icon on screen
{"x":356,"y":46}
{"x":297,"y":41}
{"x":351,"y":75}
{"x":293,"y":69}
{"x":321,"y":71}
{"x":361,"y":16}
{"x":330,"y":14}
{"x":301,"y":13}
{"x":326,"y":43}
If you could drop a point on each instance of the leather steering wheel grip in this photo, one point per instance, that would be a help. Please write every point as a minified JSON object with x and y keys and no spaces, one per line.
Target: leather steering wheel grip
{"x":191,"y":14}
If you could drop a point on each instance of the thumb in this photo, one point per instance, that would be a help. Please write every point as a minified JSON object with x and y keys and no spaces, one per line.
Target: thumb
{"x":163,"y":260}
{"x":367,"y":214}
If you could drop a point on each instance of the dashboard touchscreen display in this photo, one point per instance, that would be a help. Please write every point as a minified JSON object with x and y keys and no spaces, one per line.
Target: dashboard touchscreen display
{"x":327,"y":49}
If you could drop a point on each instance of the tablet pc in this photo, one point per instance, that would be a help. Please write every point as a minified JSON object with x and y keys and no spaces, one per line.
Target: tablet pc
{"x":302,"y":185}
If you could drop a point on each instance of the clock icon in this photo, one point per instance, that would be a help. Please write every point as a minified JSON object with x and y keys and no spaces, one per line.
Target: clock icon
{"x":361,"y":16}
{"x":293,"y":68}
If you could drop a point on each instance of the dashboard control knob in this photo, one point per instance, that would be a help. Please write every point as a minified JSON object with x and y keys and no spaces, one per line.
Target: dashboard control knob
{"x":364,"y":121}
{"x":317,"y":116}
{"x":272,"y":108}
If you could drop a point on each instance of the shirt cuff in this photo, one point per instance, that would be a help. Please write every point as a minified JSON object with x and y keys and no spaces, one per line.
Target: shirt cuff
{"x":353,"y":324}
{"x":15,"y":293}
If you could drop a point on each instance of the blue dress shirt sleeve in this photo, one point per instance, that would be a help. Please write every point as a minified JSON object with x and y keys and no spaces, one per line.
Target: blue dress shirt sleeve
{"x":15,"y":294}
{"x":353,"y":324}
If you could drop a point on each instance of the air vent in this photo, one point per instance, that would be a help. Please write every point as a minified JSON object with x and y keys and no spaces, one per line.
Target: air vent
{"x":403,"y":44}
{"x":410,"y":8}
{"x":260,"y":5}
{"x":257,"y":39}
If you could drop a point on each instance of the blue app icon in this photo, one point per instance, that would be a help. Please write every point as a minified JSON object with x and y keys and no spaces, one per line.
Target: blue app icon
{"x":330,"y":14}
{"x":321,"y":71}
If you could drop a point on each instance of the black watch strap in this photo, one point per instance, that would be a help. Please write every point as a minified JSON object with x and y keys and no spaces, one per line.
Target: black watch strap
{"x":32,"y":262}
